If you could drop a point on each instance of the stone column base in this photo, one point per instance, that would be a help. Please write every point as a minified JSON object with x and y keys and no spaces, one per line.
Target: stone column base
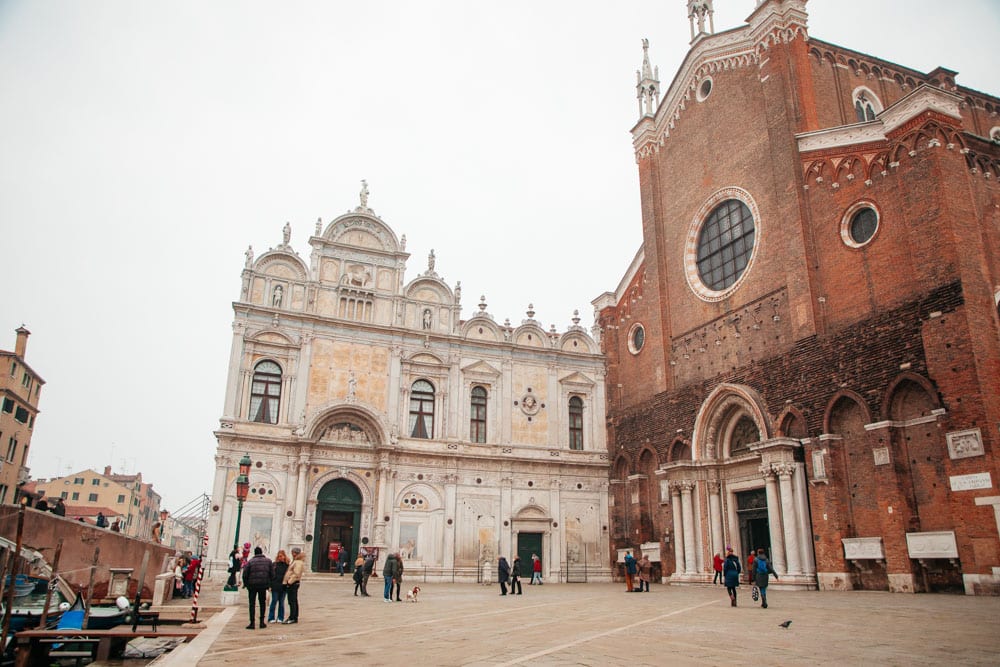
{"x":982,"y":584}
{"x":902,"y":583}
{"x":834,"y":581}
{"x":230,"y":598}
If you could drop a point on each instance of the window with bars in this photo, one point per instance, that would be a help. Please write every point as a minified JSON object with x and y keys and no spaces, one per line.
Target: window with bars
{"x":422,"y":409}
{"x":725,"y":244}
{"x":265,"y":394}
{"x":477,"y":421}
{"x":576,"y":423}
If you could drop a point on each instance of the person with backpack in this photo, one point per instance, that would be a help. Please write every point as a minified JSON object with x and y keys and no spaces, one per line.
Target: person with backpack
{"x":731,"y":574}
{"x":762,"y":572}
{"x":630,"y":570}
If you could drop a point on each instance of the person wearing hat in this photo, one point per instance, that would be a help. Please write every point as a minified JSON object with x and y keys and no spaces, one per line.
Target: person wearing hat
{"x":731,"y":574}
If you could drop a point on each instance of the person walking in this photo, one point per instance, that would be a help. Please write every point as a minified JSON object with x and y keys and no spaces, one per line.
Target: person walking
{"x":762,"y":573}
{"x":717,"y":566}
{"x":342,"y":560}
{"x":536,"y":570}
{"x":731,"y":574}
{"x":750,"y":567}
{"x":515,"y":576}
{"x":630,"y":570}
{"x":399,"y":576}
{"x":645,"y":572}
{"x":293,"y":577}
{"x":503,"y":574}
{"x":278,"y":569}
{"x":256,"y":579}
{"x":234,"y":568}
{"x":59,"y":509}
{"x":389,"y":573}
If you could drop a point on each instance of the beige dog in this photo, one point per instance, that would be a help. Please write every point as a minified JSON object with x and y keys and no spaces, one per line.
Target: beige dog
{"x":411,"y":595}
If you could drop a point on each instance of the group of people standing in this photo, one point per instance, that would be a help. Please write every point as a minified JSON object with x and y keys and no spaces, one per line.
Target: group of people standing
{"x":642,"y":567}
{"x":185,"y":574}
{"x":282,"y":577}
{"x":507,"y":572}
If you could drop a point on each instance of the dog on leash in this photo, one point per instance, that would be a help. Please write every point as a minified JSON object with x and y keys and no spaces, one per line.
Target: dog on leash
{"x":411,"y":595}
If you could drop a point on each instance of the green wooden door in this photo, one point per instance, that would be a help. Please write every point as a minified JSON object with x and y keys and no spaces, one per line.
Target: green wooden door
{"x":528,"y":544}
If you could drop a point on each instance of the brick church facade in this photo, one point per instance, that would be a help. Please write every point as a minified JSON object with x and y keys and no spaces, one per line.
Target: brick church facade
{"x":804,"y":354}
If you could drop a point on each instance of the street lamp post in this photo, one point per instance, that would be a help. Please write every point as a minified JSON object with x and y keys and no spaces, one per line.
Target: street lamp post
{"x":242,"y":490}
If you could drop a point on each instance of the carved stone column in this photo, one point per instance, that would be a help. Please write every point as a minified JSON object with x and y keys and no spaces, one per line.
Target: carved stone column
{"x":506,"y":482}
{"x":802,"y":514}
{"x":715,"y":511}
{"x":300,"y":486}
{"x":450,"y":506}
{"x":675,"y":510}
{"x":774,"y":520}
{"x":231,"y":408}
{"x":789,"y":523}
{"x":687,"y":510}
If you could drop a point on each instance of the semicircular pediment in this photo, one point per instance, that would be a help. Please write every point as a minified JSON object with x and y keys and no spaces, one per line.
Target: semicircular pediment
{"x":362,"y":231}
{"x":347,"y":425}
{"x":280,"y":264}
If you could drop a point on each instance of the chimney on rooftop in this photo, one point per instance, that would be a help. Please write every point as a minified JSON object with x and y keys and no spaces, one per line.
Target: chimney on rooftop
{"x":22,"y":341}
{"x":107,"y":471}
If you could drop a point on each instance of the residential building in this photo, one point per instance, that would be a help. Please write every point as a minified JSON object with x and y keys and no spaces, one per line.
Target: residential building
{"x":123,"y":497}
{"x":20,"y":389}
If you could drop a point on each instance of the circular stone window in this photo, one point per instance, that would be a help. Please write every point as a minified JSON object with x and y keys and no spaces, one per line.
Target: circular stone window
{"x":705,"y":89}
{"x":859,"y":224}
{"x":636,"y":338}
{"x":721,"y":244}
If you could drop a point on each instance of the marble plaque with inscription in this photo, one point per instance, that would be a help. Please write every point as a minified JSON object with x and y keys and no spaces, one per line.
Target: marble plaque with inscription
{"x":940,"y":544}
{"x":881,"y":455}
{"x":979,"y":480}
{"x":863,"y":548}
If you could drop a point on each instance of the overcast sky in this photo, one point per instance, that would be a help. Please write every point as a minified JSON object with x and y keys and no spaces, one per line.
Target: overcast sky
{"x":144,"y":145}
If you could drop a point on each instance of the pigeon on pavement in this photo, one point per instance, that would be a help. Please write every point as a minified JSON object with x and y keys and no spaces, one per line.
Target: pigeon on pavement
{"x":786,"y":624}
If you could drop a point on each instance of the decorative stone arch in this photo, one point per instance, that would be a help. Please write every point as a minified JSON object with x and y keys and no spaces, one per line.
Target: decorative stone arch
{"x":385,"y":239}
{"x":425,"y":490}
{"x":351,"y":476}
{"x":837,"y":397}
{"x":436,"y":285}
{"x":621,"y":467}
{"x":258,"y":475}
{"x":577,"y":341}
{"x":530,"y":335}
{"x":720,"y":413}
{"x":680,"y":450}
{"x":647,"y":451}
{"x":358,"y":414}
{"x":533,"y":514}
{"x":892,"y":391}
{"x":868,"y":100}
{"x":482,"y":328}
{"x":274,"y":258}
{"x":789,"y":418}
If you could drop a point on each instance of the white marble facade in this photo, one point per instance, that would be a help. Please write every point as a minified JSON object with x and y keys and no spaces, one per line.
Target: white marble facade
{"x":335,"y":361}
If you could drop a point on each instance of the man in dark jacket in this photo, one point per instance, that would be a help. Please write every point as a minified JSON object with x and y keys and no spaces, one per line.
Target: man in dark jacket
{"x":368,"y":567}
{"x":503,"y":574}
{"x":257,"y":579}
{"x":389,"y":573}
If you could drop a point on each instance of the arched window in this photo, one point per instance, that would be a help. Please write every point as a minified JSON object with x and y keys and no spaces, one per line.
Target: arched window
{"x":866,"y":105}
{"x":576,"y":423}
{"x":265,"y":393}
{"x":422,"y":410}
{"x":477,"y":420}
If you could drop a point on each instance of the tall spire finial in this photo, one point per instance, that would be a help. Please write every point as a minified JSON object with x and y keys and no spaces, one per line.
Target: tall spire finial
{"x":697,"y":11}
{"x":647,"y":84}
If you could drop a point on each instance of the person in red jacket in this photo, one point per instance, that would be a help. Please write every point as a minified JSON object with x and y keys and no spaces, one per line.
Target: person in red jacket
{"x":717,"y":566}
{"x":536,"y":570}
{"x":750,"y":560}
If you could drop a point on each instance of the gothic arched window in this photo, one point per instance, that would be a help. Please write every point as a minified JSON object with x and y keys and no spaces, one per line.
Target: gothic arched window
{"x":265,"y":393}
{"x":477,"y":420}
{"x":866,"y":105}
{"x":422,"y":410}
{"x":576,"y":423}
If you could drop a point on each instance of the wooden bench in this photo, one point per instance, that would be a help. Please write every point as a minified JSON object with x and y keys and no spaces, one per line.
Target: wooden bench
{"x":34,"y":647}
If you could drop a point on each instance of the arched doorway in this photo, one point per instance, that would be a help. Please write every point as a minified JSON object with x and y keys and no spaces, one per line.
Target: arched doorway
{"x":338,"y":520}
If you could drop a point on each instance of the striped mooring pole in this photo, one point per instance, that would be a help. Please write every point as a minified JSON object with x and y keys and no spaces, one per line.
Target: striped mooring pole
{"x":197,"y":581}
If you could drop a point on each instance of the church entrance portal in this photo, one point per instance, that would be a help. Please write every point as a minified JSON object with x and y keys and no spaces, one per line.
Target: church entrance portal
{"x":755,"y":532}
{"x":338,"y":518}
{"x":527,"y":544}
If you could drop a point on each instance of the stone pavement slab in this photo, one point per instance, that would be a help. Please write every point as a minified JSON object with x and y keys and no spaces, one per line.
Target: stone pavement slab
{"x":601,"y":624}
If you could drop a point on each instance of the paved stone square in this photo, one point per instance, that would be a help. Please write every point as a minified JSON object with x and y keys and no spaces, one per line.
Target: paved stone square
{"x":601,"y":624}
